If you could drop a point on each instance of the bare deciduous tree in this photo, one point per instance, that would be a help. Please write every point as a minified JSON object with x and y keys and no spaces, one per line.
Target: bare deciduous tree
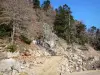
{"x":20,"y":14}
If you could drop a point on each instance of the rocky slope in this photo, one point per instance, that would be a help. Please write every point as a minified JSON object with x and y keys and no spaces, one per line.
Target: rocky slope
{"x":37,"y":60}
{"x":54,"y":57}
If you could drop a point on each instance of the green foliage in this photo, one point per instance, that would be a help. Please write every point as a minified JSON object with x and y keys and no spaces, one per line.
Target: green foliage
{"x":93,"y":29}
{"x":5,"y":30}
{"x":96,"y":41}
{"x":65,"y":27}
{"x":25,"y":39}
{"x":36,"y":3}
{"x":97,"y":45}
{"x":80,"y":27}
{"x":82,"y":40}
{"x":46,"y":5}
{"x":12,"y":48}
{"x":94,"y":37}
{"x":63,"y":22}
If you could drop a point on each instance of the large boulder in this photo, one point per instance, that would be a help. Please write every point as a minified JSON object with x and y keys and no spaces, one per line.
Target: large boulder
{"x":7,"y":66}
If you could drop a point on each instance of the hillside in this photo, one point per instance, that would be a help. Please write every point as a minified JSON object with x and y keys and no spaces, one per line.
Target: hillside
{"x":38,"y":40}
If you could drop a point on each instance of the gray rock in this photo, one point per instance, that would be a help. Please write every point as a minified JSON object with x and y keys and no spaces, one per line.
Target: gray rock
{"x":3,"y":55}
{"x":8,"y":65}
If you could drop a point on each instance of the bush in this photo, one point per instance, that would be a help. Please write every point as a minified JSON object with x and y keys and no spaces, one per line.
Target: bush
{"x":25,"y":39}
{"x":5,"y":30}
{"x":12,"y":48}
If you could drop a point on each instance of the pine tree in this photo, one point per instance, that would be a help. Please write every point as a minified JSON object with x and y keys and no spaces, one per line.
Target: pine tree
{"x":46,"y":5}
{"x":59,"y":24}
{"x":36,"y":3}
{"x":63,"y":23}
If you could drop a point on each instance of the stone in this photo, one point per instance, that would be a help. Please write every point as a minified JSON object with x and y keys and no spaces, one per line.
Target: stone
{"x":96,"y":58}
{"x":34,"y":42}
{"x":10,"y":54}
{"x":8,"y":65}
{"x":3,"y":55}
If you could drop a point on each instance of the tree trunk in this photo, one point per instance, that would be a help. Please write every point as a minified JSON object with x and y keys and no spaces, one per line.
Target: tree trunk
{"x":13,"y":34}
{"x":69,"y":30}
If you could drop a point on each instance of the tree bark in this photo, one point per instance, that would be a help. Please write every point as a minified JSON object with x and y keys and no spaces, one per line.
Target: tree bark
{"x":13,"y":34}
{"x":69,"y":30}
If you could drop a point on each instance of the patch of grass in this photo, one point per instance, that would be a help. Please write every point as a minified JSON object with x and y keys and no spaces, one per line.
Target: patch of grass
{"x":23,"y":73}
{"x":25,"y":39}
{"x":1,"y":74}
{"x":12,"y":48}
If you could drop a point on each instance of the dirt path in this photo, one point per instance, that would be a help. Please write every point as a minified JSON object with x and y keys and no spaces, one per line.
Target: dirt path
{"x":96,"y":72}
{"x":49,"y":67}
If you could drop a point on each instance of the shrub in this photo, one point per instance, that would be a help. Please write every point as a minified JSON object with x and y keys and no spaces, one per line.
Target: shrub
{"x":5,"y":30}
{"x":25,"y":39}
{"x":12,"y":48}
{"x":36,"y":3}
